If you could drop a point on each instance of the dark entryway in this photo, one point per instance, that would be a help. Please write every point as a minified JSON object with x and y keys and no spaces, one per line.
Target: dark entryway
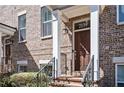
{"x":82,"y":50}
{"x":7,"y":56}
{"x":8,"y":53}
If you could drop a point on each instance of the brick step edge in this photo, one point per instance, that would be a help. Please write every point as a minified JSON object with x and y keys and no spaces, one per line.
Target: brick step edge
{"x":68,"y":79}
{"x":65,"y":85}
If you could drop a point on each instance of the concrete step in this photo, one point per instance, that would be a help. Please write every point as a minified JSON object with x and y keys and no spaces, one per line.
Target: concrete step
{"x":73,"y":85}
{"x":67,"y":81}
{"x":58,"y":84}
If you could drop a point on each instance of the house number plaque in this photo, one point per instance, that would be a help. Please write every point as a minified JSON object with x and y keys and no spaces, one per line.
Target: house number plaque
{"x":82,"y":25}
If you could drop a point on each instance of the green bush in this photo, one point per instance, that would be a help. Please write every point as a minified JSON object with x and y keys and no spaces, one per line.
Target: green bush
{"x":5,"y":80}
{"x":21,"y":79}
{"x":28,"y":79}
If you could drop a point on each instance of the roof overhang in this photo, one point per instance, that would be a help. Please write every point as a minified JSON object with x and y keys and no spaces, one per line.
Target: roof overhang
{"x":71,"y":11}
{"x":7,"y":30}
{"x":59,"y":7}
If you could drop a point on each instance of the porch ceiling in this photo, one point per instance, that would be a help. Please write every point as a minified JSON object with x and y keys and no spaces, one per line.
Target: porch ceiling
{"x":76,"y":10}
{"x":6,"y":29}
{"x":71,"y":11}
{"x":60,"y":7}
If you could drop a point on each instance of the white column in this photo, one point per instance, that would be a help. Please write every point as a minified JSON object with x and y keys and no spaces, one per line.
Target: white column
{"x":56,"y":41}
{"x":1,"y":51}
{"x":94,"y":17}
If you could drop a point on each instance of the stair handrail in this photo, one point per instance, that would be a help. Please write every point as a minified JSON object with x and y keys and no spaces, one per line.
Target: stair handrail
{"x":84,"y":48}
{"x":37,"y":74}
{"x":91,"y":64}
{"x":52,"y":60}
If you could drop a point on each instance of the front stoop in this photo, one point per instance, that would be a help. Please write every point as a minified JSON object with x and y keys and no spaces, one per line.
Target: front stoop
{"x":67,"y":81}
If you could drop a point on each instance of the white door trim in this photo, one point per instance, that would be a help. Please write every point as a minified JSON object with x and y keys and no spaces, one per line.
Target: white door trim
{"x":73,"y":39}
{"x":4,"y":47}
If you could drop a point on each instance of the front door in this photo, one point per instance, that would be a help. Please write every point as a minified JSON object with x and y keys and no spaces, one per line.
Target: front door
{"x":82,"y":50}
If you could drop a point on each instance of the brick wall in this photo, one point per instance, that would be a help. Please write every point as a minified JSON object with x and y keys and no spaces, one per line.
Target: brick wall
{"x":111,"y":43}
{"x":35,"y":48}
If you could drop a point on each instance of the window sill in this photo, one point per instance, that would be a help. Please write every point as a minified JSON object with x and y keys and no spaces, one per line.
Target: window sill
{"x":120,"y":23}
{"x":46,"y":37}
{"x":24,"y":41}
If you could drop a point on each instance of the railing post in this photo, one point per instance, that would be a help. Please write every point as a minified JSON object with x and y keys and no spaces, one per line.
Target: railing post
{"x":37,"y":80}
{"x":53,"y":74}
{"x":93,"y":68}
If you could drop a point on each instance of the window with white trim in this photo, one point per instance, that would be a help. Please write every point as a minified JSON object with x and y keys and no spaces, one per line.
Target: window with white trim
{"x":120,"y":14}
{"x":22,"y":66}
{"x":120,"y":75}
{"x":46,"y":17}
{"x":22,"y":27}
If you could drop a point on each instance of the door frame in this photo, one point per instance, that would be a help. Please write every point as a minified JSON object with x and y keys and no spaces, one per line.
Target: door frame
{"x":4,"y":52}
{"x":73,"y":40}
{"x":116,"y":65}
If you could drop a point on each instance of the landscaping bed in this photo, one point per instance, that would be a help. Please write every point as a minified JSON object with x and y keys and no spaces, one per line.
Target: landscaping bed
{"x":25,"y":79}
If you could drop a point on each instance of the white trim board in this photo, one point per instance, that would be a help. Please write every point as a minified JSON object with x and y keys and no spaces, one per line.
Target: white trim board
{"x":22,"y":62}
{"x":118,"y":59}
{"x":43,"y":61}
{"x":94,"y":28}
{"x":22,"y":12}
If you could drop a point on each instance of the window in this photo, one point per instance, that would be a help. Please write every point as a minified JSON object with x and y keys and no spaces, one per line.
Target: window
{"x":120,"y":14}
{"x":46,"y":17}
{"x":22,"y":66}
{"x":22,"y":27}
{"x":120,"y":75}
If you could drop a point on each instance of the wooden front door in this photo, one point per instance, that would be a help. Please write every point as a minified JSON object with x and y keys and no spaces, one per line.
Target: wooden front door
{"x":82,"y":50}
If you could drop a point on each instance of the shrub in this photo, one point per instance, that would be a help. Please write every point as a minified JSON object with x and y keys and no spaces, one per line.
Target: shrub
{"x":5,"y":80}
{"x":28,"y":79}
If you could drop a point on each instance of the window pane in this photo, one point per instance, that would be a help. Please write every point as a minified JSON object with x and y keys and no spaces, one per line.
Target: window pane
{"x":23,"y":68}
{"x":22,"y":21}
{"x":22,"y":34}
{"x":47,"y":29}
{"x":120,"y":84}
{"x":45,"y":16}
{"x":121,"y":13}
{"x":49,"y":15}
{"x":44,"y":29}
{"x":120,"y":73}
